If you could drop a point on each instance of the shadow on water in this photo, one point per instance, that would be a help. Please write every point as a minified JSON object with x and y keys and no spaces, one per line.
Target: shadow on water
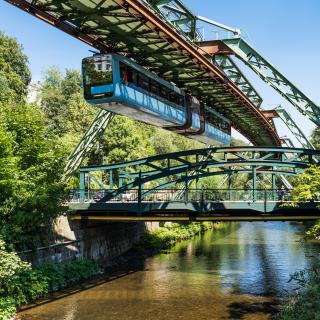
{"x":120,"y":269}
{"x":238,"y":310}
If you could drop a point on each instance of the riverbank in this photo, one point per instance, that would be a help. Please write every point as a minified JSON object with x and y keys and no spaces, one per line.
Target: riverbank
{"x":305,"y":305}
{"x":165,"y":237}
{"x":28,"y":285}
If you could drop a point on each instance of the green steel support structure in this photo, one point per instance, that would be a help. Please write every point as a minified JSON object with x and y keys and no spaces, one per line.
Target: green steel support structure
{"x":96,"y":129}
{"x":216,"y":161}
{"x":292,"y":126}
{"x":175,"y":12}
{"x":268,"y":73}
{"x":130,"y":201}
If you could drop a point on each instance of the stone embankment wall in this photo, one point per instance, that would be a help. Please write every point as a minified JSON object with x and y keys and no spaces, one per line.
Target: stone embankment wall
{"x":102,"y":241}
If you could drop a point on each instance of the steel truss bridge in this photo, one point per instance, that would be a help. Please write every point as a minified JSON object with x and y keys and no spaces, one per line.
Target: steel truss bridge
{"x":146,"y":189}
{"x":164,"y":37}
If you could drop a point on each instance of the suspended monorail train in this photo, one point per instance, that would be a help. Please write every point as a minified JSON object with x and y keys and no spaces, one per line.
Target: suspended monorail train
{"x":117,"y":84}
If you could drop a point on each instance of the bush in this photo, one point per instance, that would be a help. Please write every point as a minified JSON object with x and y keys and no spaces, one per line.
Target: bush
{"x":80,"y":270}
{"x":7,"y":308}
{"x":25,"y":285}
{"x":55,"y":275}
{"x":306,"y":305}
{"x":164,"y":237}
{"x":313,"y":232}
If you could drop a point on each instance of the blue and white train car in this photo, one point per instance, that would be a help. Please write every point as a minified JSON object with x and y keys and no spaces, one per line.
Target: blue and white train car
{"x":119,"y":85}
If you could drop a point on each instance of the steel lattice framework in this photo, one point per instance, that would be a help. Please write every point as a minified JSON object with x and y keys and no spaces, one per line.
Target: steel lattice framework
{"x":136,"y":29}
{"x":169,"y":169}
{"x":296,"y":131}
{"x":268,"y":73}
{"x":96,"y":129}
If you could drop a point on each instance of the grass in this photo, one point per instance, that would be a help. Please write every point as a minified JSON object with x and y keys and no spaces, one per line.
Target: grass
{"x":165,"y":237}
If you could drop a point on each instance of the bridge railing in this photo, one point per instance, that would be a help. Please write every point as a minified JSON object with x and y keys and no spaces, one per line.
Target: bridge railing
{"x":190,"y":195}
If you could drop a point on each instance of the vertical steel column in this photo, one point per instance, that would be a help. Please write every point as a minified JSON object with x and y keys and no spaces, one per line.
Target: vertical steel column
{"x":82,"y":186}
{"x":186,"y":187}
{"x":254,"y":178}
{"x":229,"y":184}
{"x":254,"y":182}
{"x":273,"y":186}
{"x":120,"y":179}
{"x":111,"y":180}
{"x":139,"y":192}
{"x":197,"y":186}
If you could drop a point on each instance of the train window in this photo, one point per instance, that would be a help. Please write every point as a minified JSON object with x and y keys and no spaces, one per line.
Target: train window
{"x":130,"y":75}
{"x":123,"y":73}
{"x":173,"y":97}
{"x":130,"y":72}
{"x":164,"y":92}
{"x":154,"y":87}
{"x":218,"y":122}
{"x":97,"y":71}
{"x":143,"y":82}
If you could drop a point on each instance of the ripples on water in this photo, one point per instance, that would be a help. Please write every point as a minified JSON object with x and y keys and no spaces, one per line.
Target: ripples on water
{"x":233,"y":273}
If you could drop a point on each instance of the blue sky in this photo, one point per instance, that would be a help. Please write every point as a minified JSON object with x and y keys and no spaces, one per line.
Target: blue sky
{"x":284,"y":31}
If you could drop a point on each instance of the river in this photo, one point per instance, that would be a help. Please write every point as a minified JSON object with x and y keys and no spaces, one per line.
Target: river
{"x":238,"y":272}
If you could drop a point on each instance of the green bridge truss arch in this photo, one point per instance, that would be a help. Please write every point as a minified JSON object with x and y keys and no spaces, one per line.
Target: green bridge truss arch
{"x":165,"y":171}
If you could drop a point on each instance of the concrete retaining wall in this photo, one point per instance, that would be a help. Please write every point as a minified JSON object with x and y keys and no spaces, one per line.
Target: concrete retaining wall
{"x":98,"y":240}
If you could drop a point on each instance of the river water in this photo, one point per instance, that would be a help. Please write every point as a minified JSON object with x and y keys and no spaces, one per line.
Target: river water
{"x":238,"y":272}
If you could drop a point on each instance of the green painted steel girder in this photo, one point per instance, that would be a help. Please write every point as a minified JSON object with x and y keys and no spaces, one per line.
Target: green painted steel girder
{"x":232,"y":71}
{"x":96,"y":129}
{"x":175,"y":12}
{"x":288,"y":142}
{"x":268,"y":73}
{"x":169,"y":169}
{"x":290,"y":123}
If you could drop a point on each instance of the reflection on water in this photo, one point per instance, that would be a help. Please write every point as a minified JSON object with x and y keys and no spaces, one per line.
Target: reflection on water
{"x":232,"y":273}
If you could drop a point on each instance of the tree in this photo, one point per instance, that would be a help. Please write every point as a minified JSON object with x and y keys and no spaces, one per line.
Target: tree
{"x":307,"y":185}
{"x":31,"y":175}
{"x":307,"y":188}
{"x":14,"y":72}
{"x":315,"y":138}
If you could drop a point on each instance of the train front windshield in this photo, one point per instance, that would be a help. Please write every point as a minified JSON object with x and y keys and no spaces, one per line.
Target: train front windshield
{"x":97,"y":77}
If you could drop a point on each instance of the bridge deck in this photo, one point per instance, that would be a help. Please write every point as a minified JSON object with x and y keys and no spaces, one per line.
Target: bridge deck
{"x":193,"y":211}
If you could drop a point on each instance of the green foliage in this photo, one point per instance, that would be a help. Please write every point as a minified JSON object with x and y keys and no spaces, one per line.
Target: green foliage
{"x":28,"y":286}
{"x":306,"y":305}
{"x":19,"y":284}
{"x":307,"y":188}
{"x":14,"y":72}
{"x":17,"y":280}
{"x":315,"y":138}
{"x":79,"y":270}
{"x":31,"y":176}
{"x":314,"y":232}
{"x":307,"y":185}
{"x":10,"y":266}
{"x":55,"y":275}
{"x":164,"y":237}
{"x":61,"y":99}
{"x":7,"y":308}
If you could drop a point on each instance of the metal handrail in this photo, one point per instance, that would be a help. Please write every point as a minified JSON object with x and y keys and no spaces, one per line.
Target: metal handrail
{"x":190,"y":195}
